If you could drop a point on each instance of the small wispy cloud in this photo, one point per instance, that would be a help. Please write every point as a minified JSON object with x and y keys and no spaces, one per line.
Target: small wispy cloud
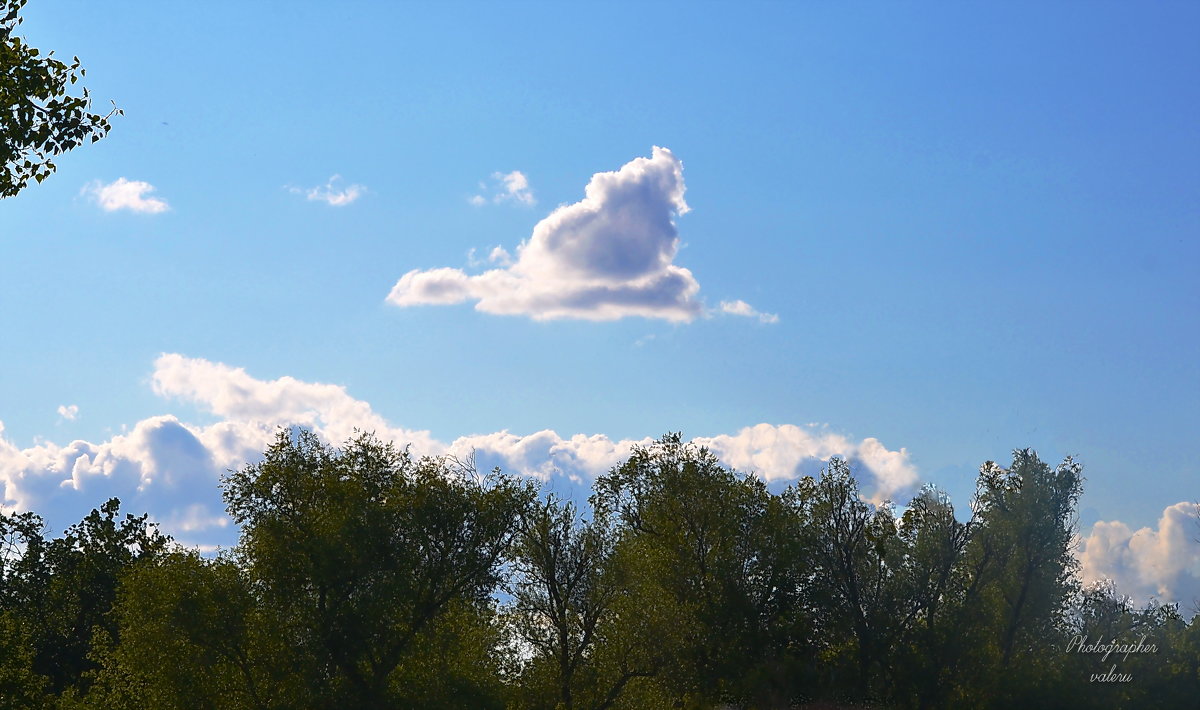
{"x":122,"y":194}
{"x":505,"y":187}
{"x":498,"y":255}
{"x":68,"y":411}
{"x":331,"y":193}
{"x":745,"y":310}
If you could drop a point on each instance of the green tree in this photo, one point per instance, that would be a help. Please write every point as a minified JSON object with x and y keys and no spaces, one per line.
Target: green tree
{"x":931,"y":572}
{"x":564,"y":586}
{"x":707,"y":555}
{"x":859,"y":585}
{"x":62,"y":590}
{"x":192,"y":635}
{"x":1162,"y":672}
{"x":358,"y":552}
{"x":1019,"y":577}
{"x":21,"y":687}
{"x":456,"y":663}
{"x":39,"y":117}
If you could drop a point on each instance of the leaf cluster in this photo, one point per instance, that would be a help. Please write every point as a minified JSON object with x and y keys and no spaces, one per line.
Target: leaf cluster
{"x":40,"y":116}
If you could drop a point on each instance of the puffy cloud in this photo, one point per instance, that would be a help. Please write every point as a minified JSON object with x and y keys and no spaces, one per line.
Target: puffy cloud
{"x":266,"y":405}
{"x":1161,"y":563}
{"x":506,"y":187}
{"x":331,"y":195}
{"x":545,"y":454}
{"x":171,"y":469}
{"x":123,"y":194}
{"x":741,"y":308}
{"x":161,"y":466}
{"x":68,"y":411}
{"x":787,"y":452}
{"x":606,"y":257}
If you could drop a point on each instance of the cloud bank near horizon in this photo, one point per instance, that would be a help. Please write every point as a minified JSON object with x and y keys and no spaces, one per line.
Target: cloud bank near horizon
{"x":171,"y":468}
{"x":1161,"y":563}
{"x":609,"y":256}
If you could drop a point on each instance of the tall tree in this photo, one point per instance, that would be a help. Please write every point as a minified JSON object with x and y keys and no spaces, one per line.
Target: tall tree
{"x":358,"y":551}
{"x":21,"y":687}
{"x":564,"y":586}
{"x":1019,"y":579}
{"x":39,"y":116}
{"x":707,"y":552}
{"x":931,"y":574}
{"x":863,"y":602}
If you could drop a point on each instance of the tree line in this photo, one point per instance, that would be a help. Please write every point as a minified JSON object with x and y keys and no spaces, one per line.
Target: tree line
{"x":369,"y":578}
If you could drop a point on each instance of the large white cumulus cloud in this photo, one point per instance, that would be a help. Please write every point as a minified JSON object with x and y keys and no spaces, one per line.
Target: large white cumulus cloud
{"x":161,"y":466}
{"x":1162,"y":563}
{"x":606,"y":257}
{"x":171,"y":468}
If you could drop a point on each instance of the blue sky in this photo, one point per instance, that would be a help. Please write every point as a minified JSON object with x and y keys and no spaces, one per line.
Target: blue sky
{"x":975,"y":228}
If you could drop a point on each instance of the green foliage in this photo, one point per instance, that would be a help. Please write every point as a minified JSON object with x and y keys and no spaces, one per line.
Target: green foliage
{"x":564,"y":584}
{"x":39,"y":117}
{"x":709,"y":558}
{"x":355,"y":552}
{"x":455,"y":663}
{"x":368,"y":578}
{"x":1020,"y":577}
{"x":61,"y":591}
{"x":1168,"y":676}
{"x":861,"y":599}
{"x":212,"y":643}
{"x":21,"y":687}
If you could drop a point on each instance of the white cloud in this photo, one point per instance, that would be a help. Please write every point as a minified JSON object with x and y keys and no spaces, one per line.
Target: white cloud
{"x":741,"y":308}
{"x":171,"y":468}
{"x":786,"y":452}
{"x":68,"y":411}
{"x":506,"y":187}
{"x":123,"y":194}
{"x":499,"y":255}
{"x":161,"y":466}
{"x":330,"y":194}
{"x":1162,"y":563}
{"x":195,"y":518}
{"x":606,"y":257}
